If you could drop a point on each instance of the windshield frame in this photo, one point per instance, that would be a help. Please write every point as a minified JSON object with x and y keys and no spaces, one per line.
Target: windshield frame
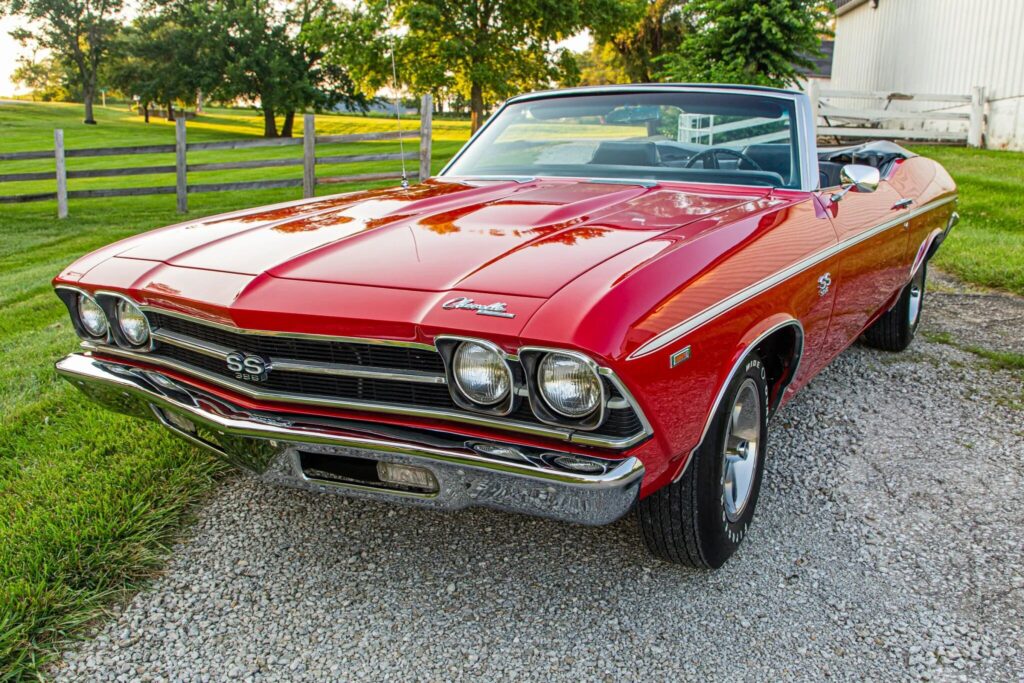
{"x":804,"y":137}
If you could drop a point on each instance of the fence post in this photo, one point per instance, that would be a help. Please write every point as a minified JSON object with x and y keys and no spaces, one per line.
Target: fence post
{"x":426,"y":122}
{"x":976,"y":129}
{"x":62,"y":173}
{"x":181,"y":164}
{"x":813,"y":95}
{"x":308,"y":156}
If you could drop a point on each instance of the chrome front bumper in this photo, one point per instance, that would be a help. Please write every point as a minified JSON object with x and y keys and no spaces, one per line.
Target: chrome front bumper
{"x":274,"y":447}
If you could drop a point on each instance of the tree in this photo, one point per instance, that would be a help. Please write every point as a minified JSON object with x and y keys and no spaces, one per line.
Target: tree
{"x":736,"y":41}
{"x":280,"y":55}
{"x":483,"y":49}
{"x":77,"y":31}
{"x":46,"y":77}
{"x":601,"y":65}
{"x":159,"y":60}
{"x":639,"y":32}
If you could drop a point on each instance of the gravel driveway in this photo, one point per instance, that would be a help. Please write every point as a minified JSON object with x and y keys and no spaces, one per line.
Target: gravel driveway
{"x":889,"y":544}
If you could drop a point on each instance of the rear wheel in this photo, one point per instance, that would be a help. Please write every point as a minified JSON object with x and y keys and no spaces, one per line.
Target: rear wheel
{"x":701,"y":519}
{"x":896,"y":328}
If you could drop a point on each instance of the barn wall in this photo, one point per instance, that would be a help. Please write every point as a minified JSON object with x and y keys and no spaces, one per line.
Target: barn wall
{"x":938,"y":46}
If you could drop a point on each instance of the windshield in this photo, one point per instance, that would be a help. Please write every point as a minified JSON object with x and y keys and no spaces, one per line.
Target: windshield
{"x":695,"y":136}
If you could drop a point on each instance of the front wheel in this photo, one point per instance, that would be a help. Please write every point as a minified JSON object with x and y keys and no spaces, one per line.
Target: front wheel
{"x":701,"y":519}
{"x":896,"y":328}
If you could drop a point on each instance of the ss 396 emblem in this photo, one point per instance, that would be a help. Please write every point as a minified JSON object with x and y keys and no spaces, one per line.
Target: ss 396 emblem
{"x":247,"y":367}
{"x":824,"y":282}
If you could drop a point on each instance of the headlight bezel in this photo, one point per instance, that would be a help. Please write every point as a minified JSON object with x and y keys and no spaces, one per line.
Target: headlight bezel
{"x":84,"y":299}
{"x":503,"y":371}
{"x":587,"y":369}
{"x":71,"y":297}
{"x":123,"y":338}
{"x":531,"y":358}
{"x":449,"y":345}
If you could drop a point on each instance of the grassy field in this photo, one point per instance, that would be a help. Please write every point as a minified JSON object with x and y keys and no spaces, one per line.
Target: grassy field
{"x":987,"y":248}
{"x":88,"y":500}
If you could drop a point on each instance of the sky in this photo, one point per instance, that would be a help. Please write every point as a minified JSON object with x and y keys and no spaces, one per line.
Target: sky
{"x":10,"y":50}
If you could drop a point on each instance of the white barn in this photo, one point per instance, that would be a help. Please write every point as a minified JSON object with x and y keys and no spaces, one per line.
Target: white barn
{"x":937,"y":47}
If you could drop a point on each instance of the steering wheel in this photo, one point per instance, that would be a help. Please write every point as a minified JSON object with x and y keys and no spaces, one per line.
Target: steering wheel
{"x":712,"y":153}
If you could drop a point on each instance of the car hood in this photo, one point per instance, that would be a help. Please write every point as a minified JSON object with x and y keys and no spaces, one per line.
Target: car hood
{"x":519,"y":238}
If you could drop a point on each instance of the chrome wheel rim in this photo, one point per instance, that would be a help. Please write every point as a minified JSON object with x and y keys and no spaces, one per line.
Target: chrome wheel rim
{"x":916,"y":295}
{"x":742,"y":442}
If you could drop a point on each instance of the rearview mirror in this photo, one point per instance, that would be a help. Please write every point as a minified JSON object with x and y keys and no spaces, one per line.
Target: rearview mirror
{"x":857,"y":177}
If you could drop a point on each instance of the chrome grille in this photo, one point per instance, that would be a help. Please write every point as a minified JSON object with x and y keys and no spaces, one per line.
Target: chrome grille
{"x":352,"y":373}
{"x":297,"y":348}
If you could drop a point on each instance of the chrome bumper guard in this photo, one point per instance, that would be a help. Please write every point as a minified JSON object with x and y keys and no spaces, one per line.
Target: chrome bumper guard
{"x":273,"y":446}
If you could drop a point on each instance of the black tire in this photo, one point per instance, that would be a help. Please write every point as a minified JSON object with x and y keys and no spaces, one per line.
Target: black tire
{"x":896,"y":328}
{"x":689,"y":522}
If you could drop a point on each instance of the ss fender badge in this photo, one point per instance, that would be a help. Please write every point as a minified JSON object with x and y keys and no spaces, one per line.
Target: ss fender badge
{"x":498,"y":309}
{"x":824,"y":282}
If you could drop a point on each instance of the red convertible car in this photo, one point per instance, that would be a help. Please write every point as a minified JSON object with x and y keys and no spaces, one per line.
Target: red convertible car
{"x":598,"y":305}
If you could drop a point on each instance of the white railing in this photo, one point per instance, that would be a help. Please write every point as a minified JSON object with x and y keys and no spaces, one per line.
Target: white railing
{"x":702,"y":129}
{"x":868,"y":114}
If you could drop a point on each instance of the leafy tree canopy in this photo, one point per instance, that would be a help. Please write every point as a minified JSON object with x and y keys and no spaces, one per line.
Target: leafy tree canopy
{"x":282,"y":56}
{"x":737,"y":41}
{"x":639,"y":32}
{"x":79,"y":31}
{"x":48,"y":78}
{"x":486,"y":50}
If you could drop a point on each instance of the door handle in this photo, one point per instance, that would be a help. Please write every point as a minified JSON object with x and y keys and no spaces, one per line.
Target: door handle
{"x":903,"y":204}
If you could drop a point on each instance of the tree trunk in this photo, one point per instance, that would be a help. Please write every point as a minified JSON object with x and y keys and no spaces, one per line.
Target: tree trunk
{"x":199,"y":102}
{"x":476,"y":107}
{"x":269,"y":124}
{"x":289,"y":123}
{"x":145,"y":111}
{"x":87,"y":97}
{"x":170,"y":111}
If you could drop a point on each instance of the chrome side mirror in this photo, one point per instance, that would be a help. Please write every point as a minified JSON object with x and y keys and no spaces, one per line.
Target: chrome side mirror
{"x":857,"y":177}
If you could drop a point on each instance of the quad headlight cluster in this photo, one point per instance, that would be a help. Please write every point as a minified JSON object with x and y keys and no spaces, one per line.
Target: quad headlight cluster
{"x":107,"y":317}
{"x":562,"y":387}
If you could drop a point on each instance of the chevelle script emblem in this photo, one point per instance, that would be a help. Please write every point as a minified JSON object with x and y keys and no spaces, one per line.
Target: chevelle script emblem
{"x":498,"y":309}
{"x":247,"y":367}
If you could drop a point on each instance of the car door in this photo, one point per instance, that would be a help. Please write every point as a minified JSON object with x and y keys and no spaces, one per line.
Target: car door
{"x":871,"y":264}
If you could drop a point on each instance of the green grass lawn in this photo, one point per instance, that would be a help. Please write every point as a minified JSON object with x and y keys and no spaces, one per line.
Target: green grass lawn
{"x":987,"y":248}
{"x":89,"y":501}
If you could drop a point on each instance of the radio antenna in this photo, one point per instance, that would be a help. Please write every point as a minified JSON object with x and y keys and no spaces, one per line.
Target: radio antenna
{"x":398,"y":107}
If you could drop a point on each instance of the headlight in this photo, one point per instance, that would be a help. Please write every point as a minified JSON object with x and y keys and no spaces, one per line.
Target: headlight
{"x":568,"y":385}
{"x":132,"y":322}
{"x":481,"y":373}
{"x":93,"y":320}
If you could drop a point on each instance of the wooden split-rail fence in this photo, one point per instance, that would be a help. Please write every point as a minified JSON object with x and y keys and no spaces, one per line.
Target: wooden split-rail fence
{"x":181,"y":168}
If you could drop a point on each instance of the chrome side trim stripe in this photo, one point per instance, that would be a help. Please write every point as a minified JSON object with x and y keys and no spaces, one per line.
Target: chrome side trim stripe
{"x":678,"y":331}
{"x":307,"y":366}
